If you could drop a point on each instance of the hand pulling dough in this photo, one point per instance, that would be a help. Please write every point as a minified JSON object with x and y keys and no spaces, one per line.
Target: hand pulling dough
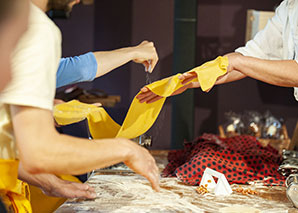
{"x":140,"y":116}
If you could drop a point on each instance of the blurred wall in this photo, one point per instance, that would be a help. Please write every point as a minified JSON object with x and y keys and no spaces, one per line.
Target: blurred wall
{"x":111,"y":24}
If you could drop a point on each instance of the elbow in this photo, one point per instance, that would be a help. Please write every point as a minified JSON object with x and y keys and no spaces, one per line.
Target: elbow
{"x":32,"y":163}
{"x":36,"y":156}
{"x":32,"y":167}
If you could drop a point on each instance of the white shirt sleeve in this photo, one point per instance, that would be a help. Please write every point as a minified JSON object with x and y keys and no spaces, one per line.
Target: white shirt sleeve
{"x":34,"y":66}
{"x":268,"y":43}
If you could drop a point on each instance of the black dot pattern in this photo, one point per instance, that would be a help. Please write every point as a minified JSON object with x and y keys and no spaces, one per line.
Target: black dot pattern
{"x":241,"y":158}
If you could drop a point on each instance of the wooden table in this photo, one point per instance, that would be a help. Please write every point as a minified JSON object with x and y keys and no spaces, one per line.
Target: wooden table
{"x":128,"y":192}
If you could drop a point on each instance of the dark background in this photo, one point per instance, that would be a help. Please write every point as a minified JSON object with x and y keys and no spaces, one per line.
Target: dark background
{"x":111,"y":24}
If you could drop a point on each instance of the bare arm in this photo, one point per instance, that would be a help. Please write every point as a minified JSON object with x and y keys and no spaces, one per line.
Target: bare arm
{"x":277,"y":72}
{"x":43,"y":150}
{"x":142,"y":53}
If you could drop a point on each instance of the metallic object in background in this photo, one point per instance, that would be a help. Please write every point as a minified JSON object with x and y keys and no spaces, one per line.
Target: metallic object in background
{"x":143,"y":140}
{"x":289,"y":169}
{"x":292,"y":189}
{"x":286,"y":154}
{"x":289,"y":164}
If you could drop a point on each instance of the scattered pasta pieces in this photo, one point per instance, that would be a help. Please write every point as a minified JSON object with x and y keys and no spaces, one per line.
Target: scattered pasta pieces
{"x":202,"y":189}
{"x":245,"y":191}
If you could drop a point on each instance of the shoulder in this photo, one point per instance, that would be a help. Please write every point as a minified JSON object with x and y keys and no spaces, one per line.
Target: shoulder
{"x":41,"y":29}
{"x":282,"y":11}
{"x":42,"y":38}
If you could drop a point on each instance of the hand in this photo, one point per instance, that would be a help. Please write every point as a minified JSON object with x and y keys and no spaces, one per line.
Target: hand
{"x":57,"y":187}
{"x":53,"y":186}
{"x":73,"y":3}
{"x":148,"y":96}
{"x":58,"y":101}
{"x":142,"y":162}
{"x":97,"y":104}
{"x":145,"y":53}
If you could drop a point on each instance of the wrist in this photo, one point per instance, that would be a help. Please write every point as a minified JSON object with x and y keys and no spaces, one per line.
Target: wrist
{"x":238,"y":61}
{"x":130,"y":52}
{"x":127,"y":149}
{"x":44,"y":181}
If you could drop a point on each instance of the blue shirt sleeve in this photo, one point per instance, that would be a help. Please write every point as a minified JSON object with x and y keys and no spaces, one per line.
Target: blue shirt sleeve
{"x":76,"y":69}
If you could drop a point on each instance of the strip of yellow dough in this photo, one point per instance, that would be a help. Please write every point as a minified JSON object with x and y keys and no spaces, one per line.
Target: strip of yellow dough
{"x":140,"y":116}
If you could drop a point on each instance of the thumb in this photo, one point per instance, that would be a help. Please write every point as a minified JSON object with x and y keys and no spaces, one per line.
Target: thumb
{"x":146,"y":65}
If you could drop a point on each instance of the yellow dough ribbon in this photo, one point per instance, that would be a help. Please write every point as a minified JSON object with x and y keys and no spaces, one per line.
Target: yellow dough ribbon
{"x":140,"y":116}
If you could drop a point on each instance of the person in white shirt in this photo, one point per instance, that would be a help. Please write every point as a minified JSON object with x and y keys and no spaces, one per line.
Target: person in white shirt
{"x":71,"y":71}
{"x":27,"y":128}
{"x":271,"y":56}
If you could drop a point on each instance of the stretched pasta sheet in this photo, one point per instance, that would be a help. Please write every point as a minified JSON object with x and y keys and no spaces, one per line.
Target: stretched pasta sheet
{"x":140,"y":116}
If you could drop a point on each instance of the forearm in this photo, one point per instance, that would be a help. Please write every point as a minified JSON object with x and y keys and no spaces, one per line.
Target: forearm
{"x":231,"y":76}
{"x":144,"y":53}
{"x":64,"y":154}
{"x":43,"y":150}
{"x":110,"y":60}
{"x":91,"y":65}
{"x":71,"y":155}
{"x":277,"y":72}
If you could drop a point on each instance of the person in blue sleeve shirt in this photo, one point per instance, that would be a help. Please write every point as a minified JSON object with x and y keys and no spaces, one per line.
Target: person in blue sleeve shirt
{"x":91,"y":65}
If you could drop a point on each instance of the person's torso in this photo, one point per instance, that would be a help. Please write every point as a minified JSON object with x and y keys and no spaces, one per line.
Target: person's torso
{"x":290,"y":32}
{"x":38,"y":21}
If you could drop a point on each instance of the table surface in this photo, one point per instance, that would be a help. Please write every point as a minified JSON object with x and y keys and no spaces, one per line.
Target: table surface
{"x":127,"y":192}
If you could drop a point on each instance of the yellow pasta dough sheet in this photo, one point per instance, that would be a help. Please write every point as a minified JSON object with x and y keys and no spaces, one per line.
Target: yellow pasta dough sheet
{"x":140,"y":116}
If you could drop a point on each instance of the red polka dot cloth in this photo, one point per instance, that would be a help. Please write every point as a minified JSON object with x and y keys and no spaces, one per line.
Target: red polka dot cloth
{"x":241,"y":159}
